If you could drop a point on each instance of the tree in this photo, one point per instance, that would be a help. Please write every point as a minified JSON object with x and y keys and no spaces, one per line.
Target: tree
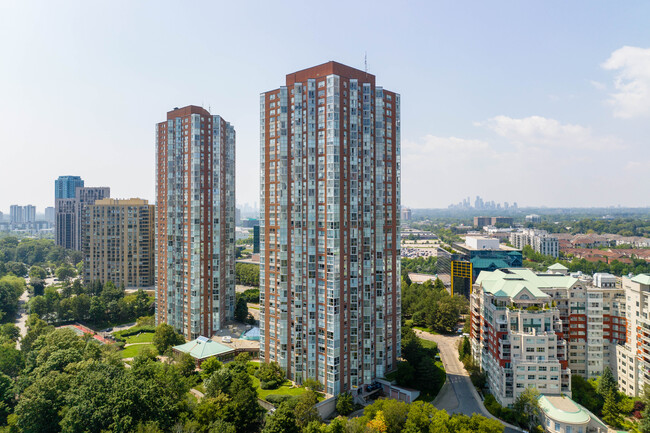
{"x":313,"y":384}
{"x":11,"y":288}
{"x":36,"y":272}
{"x":426,"y":373}
{"x":283,"y":420}
{"x":405,"y":374}
{"x":65,"y":272}
{"x":39,"y":407}
{"x":166,"y":337}
{"x":6,"y":397}
{"x":611,"y":411}
{"x":378,"y":423}
{"x":97,"y":310}
{"x":241,"y":309}
{"x":305,"y":409}
{"x":527,"y":408}
{"x":218,"y":382}
{"x":607,"y":384}
{"x":35,"y":328}
{"x":186,"y":364}
{"x":209,"y":366}
{"x":11,"y":360}
{"x":9,"y":332}
{"x":411,"y":346}
{"x":464,"y":348}
{"x":38,"y":286}
{"x":344,"y":404}
{"x":270,"y":375}
{"x":644,"y":424}
{"x":211,"y":409}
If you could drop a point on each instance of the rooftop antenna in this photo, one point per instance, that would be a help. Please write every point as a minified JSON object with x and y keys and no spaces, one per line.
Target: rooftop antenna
{"x":365,"y":61}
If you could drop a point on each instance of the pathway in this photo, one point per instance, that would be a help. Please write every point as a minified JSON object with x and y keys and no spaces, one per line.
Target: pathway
{"x":458,"y":395}
{"x":21,"y":318}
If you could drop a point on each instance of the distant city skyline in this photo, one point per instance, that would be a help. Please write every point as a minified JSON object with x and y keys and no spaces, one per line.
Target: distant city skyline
{"x":514,"y":97}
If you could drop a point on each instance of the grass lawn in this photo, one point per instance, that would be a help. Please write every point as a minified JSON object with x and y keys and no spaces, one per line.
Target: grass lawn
{"x":200,"y":388}
{"x":427,"y":344}
{"x":254,"y":307}
{"x":285,"y":389}
{"x":423,"y":329}
{"x":131,"y":351}
{"x":143,"y":337}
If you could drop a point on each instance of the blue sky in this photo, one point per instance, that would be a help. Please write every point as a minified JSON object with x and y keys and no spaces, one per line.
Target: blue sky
{"x":543,"y":103}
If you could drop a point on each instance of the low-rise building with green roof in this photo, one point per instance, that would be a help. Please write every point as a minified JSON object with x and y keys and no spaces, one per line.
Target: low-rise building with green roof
{"x":203,"y":348}
{"x":560,"y":414}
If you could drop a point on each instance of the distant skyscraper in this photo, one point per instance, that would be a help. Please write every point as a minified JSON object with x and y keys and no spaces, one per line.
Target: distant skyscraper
{"x":65,"y":227}
{"x":49,"y":214}
{"x":16,"y":214}
{"x":195,"y":227}
{"x":66,"y":186}
{"x":29,"y":213}
{"x":330,"y":211}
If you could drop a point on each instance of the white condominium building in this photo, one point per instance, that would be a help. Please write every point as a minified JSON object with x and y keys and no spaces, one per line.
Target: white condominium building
{"x":633,"y":358}
{"x":518,"y":316}
{"x":539,"y":240}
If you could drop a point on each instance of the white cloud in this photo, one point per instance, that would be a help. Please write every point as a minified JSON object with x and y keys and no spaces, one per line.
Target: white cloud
{"x":542,"y":131}
{"x":632,"y":81}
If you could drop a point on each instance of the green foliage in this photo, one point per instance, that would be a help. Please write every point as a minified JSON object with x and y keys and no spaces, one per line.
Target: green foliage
{"x":283,"y":420}
{"x":305,"y":409}
{"x":313,"y":384}
{"x":241,"y":309}
{"x":7,"y":400}
{"x":584,"y":392}
{"x":420,"y":265}
{"x":430,"y":305}
{"x":270,"y":375}
{"x":166,"y":337}
{"x":464,"y":348}
{"x":93,"y":302}
{"x":252,"y":296}
{"x":344,"y":404}
{"x":606,"y":383}
{"x":247,"y":274}
{"x":65,"y":272}
{"x":186,"y":364}
{"x":611,"y":412}
{"x":405,"y":375}
{"x":526,"y":408}
{"x":209,"y":366}
{"x":136,"y":330}
{"x":11,"y":288}
{"x":37,"y":272}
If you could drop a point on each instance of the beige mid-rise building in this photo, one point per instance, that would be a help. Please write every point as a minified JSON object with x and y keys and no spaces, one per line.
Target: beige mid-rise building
{"x":119,"y":242}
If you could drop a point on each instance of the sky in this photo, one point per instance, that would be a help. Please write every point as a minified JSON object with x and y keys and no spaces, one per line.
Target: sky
{"x":544,"y":103}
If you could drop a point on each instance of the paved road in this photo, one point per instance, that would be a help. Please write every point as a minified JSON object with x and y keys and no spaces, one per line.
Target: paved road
{"x":21,"y":319}
{"x":458,"y":395}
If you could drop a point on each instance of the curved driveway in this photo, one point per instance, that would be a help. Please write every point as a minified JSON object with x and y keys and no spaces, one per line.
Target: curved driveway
{"x":458,"y":395}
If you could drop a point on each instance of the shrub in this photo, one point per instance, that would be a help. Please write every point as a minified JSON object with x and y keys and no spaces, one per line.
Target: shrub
{"x":278,"y":399}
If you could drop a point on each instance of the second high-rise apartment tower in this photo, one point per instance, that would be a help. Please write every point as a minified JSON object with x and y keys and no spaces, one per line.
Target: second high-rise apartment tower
{"x":330,"y":206}
{"x":195,"y":223}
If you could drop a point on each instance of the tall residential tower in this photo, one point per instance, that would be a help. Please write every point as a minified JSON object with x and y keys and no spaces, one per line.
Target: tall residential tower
{"x":195,"y":224}
{"x":330,"y":208}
